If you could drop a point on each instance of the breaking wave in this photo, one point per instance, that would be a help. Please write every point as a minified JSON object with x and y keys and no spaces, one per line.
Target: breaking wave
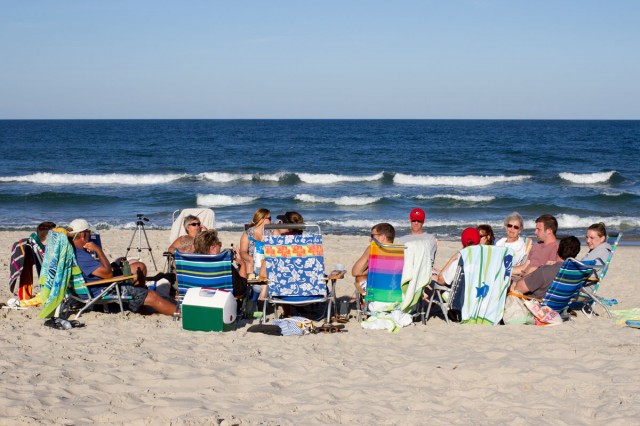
{"x":587,"y":178}
{"x":341,"y":201}
{"x":465,"y":181}
{"x":219,"y":200}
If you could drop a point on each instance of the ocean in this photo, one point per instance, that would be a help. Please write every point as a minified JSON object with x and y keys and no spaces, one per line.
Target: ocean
{"x":345,"y":175}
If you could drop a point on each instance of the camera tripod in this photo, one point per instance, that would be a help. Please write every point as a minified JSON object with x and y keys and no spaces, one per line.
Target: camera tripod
{"x":140,"y":230}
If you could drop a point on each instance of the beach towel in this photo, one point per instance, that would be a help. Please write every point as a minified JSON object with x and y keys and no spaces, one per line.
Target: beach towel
{"x":25,"y":254}
{"x":487,"y":272}
{"x":416,"y":272}
{"x":384,"y":278}
{"x":59,"y":268}
{"x":624,"y":315}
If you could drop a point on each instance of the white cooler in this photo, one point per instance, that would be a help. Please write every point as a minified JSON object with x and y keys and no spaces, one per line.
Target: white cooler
{"x":209,"y":310}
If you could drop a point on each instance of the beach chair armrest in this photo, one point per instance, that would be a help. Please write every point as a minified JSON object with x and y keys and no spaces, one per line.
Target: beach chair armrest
{"x":110,"y":280}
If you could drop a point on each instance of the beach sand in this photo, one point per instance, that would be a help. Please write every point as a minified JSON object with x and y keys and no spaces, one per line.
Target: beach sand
{"x":147,"y":370}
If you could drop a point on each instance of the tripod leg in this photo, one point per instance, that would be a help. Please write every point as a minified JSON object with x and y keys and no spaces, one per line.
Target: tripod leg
{"x":149,"y":246}
{"x":130,"y":242}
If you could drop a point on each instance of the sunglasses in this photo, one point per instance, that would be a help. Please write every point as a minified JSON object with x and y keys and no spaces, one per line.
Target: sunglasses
{"x":483,"y":235}
{"x":267,"y":218}
{"x":194,"y":224}
{"x":374,"y":235}
{"x":516,"y":227}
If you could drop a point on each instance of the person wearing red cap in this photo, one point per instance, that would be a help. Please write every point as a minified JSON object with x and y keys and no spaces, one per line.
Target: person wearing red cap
{"x":417,"y":218}
{"x":469,"y":237}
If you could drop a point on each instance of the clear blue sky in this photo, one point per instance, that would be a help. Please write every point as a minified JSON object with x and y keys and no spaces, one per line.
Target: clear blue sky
{"x":320,"y":59}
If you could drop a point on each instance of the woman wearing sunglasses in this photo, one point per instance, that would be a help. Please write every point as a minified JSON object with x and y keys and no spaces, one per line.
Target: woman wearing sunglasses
{"x":513,"y":223}
{"x":184,"y":243}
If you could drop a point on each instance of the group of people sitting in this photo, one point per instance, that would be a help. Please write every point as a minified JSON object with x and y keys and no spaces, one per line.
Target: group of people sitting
{"x":536,"y":269}
{"x":533,"y":271}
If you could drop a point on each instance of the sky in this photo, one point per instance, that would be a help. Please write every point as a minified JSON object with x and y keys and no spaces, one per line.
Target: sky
{"x":422,"y":59}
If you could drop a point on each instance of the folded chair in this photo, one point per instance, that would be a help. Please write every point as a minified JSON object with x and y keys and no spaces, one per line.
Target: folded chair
{"x":396,"y":277}
{"x":62,"y":286}
{"x":295,"y":268}
{"x":565,"y":287}
{"x":588,"y":294}
{"x":25,"y":254}
{"x":479,"y":289}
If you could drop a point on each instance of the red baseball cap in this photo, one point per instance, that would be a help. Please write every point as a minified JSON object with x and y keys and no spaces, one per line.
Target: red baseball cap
{"x":470,"y":237}
{"x":417,"y":214}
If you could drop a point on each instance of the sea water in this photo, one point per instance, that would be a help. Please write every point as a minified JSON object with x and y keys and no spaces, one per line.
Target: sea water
{"x":345,"y":175}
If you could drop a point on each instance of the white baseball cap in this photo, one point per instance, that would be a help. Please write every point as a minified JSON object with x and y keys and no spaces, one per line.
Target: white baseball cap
{"x":78,"y":225}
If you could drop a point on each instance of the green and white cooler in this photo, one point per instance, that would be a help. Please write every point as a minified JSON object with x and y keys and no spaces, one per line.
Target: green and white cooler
{"x":206,"y":309}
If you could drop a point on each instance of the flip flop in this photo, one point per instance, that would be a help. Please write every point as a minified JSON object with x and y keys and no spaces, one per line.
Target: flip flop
{"x":62,"y":324}
{"x":330,"y":328}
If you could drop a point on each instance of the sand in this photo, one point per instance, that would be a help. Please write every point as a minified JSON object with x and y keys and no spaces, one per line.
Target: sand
{"x":147,"y":370}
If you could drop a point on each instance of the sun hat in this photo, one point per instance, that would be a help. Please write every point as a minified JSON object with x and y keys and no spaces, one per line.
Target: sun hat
{"x":417,"y":214}
{"x":78,"y":225}
{"x":470,"y":237}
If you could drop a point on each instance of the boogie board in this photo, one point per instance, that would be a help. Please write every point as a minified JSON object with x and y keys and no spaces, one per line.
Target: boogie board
{"x":633,"y":323}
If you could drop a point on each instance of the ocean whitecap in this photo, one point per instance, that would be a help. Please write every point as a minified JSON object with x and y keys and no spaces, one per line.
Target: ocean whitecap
{"x":219,"y":200}
{"x":587,"y":178}
{"x":464,"y":181}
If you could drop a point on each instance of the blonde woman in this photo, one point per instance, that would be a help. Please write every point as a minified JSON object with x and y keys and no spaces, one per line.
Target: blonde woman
{"x":251,"y":245}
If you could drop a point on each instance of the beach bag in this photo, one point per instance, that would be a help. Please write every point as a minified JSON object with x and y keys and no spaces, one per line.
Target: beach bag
{"x":544,"y":315}
{"x":515,"y":311}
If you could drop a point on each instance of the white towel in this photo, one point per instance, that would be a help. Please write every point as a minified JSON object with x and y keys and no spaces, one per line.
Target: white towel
{"x":416,"y":273}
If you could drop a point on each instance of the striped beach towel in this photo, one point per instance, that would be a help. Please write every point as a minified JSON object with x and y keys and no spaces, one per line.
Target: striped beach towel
{"x":59,"y":270}
{"x":487,"y":275}
{"x":384,"y":277}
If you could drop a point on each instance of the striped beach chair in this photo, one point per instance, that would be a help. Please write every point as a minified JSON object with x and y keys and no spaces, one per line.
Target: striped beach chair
{"x":570,"y":279}
{"x":203,"y":270}
{"x":588,"y":296}
{"x":295,"y":268}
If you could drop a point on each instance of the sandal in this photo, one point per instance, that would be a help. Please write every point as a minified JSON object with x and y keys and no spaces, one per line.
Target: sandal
{"x":62,"y":324}
{"x":329,"y":328}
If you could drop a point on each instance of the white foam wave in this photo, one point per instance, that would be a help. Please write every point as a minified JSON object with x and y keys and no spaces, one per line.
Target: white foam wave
{"x":221,"y":177}
{"x":273,"y":177}
{"x":219,"y":200}
{"x":466,"y":198}
{"x":466,"y":181}
{"x":106,"y":179}
{"x":569,"y":221}
{"x":341,"y":201}
{"x":328,"y":179}
{"x":587,"y":178}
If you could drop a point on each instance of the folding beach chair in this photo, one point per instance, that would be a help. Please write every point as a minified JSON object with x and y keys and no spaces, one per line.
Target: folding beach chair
{"x":528,"y":243}
{"x":26,"y":254}
{"x":62,"y":286}
{"x":565,"y":287}
{"x":295,"y":268}
{"x":480,"y":286}
{"x":396,"y":277}
{"x":588,"y":294}
{"x":212,"y":271}
{"x":207,"y":218}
